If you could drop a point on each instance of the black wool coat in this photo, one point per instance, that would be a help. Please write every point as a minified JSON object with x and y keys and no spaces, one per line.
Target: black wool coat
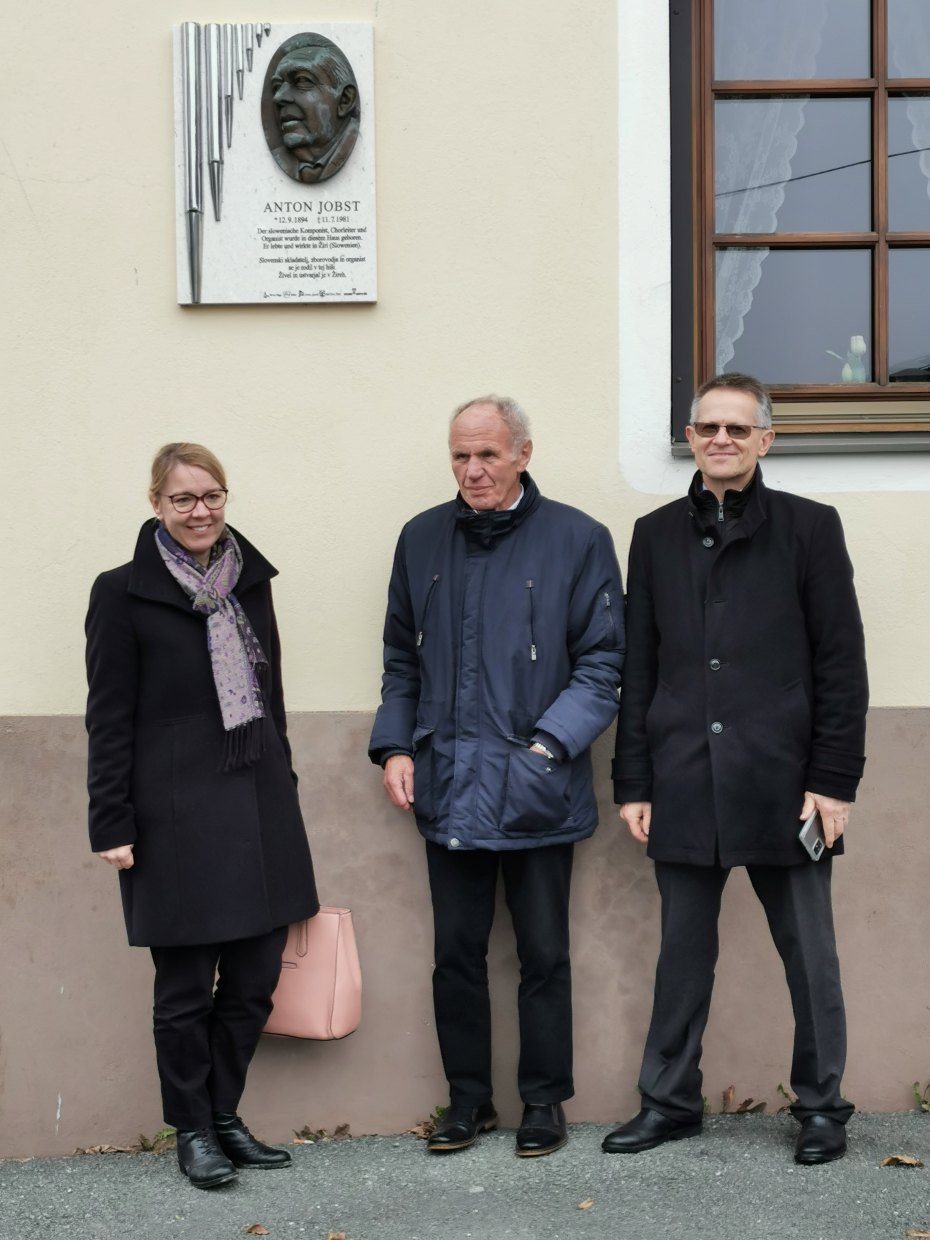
{"x":745,"y":680}
{"x":219,"y":855}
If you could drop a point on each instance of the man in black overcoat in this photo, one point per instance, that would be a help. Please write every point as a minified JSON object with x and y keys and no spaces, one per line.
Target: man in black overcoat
{"x":742,"y":711}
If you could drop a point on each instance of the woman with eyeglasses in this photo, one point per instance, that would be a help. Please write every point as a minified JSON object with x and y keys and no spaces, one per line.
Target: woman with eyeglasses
{"x":193,"y":797}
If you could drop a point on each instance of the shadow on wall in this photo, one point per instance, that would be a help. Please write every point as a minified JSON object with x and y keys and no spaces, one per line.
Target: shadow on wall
{"x":76,"y":1061}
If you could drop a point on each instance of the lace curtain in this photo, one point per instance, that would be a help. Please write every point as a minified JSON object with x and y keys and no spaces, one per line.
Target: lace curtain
{"x":758,"y":156}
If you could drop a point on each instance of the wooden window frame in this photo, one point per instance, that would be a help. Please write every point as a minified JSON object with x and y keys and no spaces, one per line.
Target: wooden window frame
{"x":693,"y":92}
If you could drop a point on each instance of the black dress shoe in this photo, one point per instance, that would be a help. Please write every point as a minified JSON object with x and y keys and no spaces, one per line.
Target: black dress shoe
{"x":647,"y":1130}
{"x":541,"y":1130}
{"x":202,"y":1160}
{"x":460,"y":1126}
{"x":238,"y":1144}
{"x":820,"y":1140}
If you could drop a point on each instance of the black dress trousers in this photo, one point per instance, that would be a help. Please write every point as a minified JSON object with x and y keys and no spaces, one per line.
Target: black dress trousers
{"x":211,"y":1004}
{"x":537,"y":885}
{"x":797,"y":904}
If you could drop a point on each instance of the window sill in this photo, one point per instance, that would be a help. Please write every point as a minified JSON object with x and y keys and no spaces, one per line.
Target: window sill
{"x":787,"y":444}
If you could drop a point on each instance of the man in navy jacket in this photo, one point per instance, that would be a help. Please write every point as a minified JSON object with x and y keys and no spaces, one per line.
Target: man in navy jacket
{"x":503,"y":645}
{"x":743,"y":710}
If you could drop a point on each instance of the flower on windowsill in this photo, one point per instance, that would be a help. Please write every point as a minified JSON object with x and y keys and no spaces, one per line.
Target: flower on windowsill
{"x":853,"y":370}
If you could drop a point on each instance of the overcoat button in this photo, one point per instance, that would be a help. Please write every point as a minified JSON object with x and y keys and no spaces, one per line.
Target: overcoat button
{"x":708,"y":541}
{"x":454,"y":843}
{"x":716,"y":728}
{"x":715,"y":665}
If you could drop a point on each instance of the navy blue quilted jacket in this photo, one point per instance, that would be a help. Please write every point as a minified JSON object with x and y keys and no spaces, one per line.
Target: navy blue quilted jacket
{"x":487,"y":643}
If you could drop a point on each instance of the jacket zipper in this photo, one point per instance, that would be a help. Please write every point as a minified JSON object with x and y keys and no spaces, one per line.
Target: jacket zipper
{"x":429,"y":599}
{"x":529,"y":587}
{"x":610,"y":613}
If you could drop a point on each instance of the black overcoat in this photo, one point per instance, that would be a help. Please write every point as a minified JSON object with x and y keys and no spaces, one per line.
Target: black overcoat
{"x":219,"y":855}
{"x":745,"y":680}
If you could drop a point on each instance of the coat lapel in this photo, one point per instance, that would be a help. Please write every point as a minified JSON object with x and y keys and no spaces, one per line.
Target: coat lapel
{"x":149,"y":579}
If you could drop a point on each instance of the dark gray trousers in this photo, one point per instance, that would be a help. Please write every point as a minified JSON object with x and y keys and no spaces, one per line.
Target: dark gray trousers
{"x":537,"y":883}
{"x":796,"y":900}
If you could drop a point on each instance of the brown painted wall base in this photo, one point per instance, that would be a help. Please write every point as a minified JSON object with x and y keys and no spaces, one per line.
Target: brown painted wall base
{"x":76,"y":1062}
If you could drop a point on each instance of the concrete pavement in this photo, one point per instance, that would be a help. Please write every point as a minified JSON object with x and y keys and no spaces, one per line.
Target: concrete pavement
{"x":736,"y":1181}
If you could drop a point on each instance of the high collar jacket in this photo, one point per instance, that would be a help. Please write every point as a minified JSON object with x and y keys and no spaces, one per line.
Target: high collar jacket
{"x":218,"y":855}
{"x":486,"y":645}
{"x":745,"y":680}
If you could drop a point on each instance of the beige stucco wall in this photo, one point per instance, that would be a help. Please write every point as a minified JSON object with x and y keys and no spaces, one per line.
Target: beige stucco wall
{"x":510,"y":229}
{"x":501,"y":254}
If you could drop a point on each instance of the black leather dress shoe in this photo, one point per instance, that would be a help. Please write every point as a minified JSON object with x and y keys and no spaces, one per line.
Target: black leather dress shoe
{"x":460,"y":1126}
{"x":647,"y":1130}
{"x":238,"y":1144}
{"x":202,"y":1160}
{"x":541,"y":1130}
{"x":820,"y":1140}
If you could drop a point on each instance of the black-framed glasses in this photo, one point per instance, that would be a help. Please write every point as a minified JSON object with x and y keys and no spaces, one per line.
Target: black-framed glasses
{"x":736,"y":430}
{"x":186,"y":502}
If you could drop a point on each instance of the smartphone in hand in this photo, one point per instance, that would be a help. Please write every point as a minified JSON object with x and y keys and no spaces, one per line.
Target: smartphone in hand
{"x":812,"y":837}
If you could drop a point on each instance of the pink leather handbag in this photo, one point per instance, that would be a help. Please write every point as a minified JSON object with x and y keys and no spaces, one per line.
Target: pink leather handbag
{"x":319,"y":994}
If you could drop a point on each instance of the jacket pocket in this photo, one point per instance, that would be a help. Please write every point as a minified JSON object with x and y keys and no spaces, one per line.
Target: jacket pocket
{"x":537,"y":793}
{"x":424,"y":798}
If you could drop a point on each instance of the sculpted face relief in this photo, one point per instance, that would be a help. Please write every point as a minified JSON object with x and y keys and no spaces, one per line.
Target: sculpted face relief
{"x":310,"y":108}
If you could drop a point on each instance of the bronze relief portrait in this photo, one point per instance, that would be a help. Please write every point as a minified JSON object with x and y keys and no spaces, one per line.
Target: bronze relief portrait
{"x":310,"y":108}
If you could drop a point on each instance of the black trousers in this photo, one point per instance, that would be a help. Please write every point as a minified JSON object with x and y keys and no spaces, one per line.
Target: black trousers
{"x":796,"y":900}
{"x":211,"y":1004}
{"x":537,"y":884}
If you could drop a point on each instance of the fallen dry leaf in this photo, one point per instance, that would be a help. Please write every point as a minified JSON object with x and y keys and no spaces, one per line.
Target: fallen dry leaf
{"x":749,"y":1106}
{"x":901,"y":1160}
{"x":336,"y":1235}
{"x":341,"y":1133}
{"x":916,"y":1233}
{"x":729,"y":1097}
{"x":109,"y":1149}
{"x":422,"y":1130}
{"x":586,"y":1204}
{"x":256,"y":1229}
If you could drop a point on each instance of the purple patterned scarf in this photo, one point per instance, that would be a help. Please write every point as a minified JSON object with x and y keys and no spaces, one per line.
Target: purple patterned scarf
{"x":236,"y":656}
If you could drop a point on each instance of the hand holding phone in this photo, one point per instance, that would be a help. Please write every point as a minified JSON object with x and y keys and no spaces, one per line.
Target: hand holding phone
{"x":812,"y":837}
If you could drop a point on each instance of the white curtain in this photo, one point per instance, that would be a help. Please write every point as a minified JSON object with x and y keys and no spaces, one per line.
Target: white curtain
{"x":909,"y":54}
{"x":754,"y":151}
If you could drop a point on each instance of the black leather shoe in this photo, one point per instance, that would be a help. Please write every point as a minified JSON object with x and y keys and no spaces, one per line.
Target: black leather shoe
{"x":238,"y":1144}
{"x":202,"y":1160}
{"x":820,"y":1140}
{"x":541,"y":1130}
{"x":647,"y":1130}
{"x":460,"y":1126}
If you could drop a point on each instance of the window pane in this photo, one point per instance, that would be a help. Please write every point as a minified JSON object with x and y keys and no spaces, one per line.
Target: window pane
{"x":908,"y":38}
{"x":792,"y":39}
{"x":909,"y":164}
{"x":792,"y":165}
{"x":908,"y":318}
{"x":795,"y":316}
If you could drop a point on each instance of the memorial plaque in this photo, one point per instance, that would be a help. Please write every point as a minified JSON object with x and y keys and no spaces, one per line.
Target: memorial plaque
{"x":275,"y":162}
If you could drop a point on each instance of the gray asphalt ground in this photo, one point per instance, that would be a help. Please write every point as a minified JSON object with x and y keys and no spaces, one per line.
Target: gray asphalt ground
{"x":737,"y":1181}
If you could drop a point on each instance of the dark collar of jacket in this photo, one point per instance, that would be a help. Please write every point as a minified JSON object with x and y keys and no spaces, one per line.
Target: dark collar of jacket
{"x":748,"y":507}
{"x":484,"y":527}
{"x":150,"y":579}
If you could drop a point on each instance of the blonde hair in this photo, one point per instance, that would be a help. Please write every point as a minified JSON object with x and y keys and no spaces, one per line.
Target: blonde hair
{"x":183,"y":454}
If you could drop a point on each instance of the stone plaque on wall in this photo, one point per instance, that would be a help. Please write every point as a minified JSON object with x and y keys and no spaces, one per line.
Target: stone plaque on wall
{"x":275,"y":162}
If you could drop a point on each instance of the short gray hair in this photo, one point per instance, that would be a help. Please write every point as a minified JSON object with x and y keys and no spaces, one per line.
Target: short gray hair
{"x":738,"y":383}
{"x":512,"y":415}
